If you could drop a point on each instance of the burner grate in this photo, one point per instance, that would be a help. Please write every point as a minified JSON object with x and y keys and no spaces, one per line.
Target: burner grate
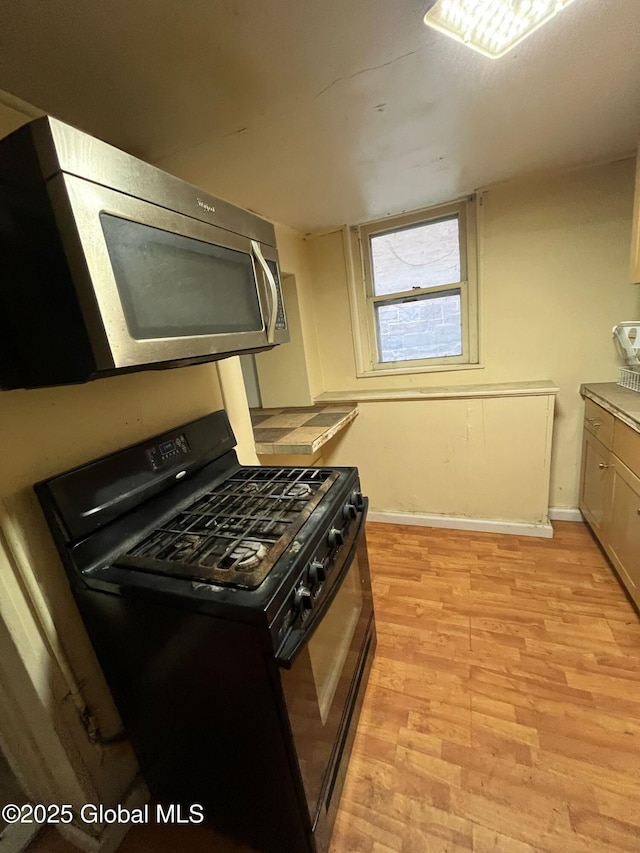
{"x":233,"y":534}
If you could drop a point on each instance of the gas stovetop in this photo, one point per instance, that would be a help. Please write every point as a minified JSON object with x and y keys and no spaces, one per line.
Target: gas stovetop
{"x":233,"y":534}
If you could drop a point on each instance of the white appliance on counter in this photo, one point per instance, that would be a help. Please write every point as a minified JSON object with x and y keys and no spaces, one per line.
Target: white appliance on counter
{"x":627,"y":336}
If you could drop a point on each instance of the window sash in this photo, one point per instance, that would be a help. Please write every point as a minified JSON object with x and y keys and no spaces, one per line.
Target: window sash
{"x":416,"y":293}
{"x":400,"y":223}
{"x":408,"y":364}
{"x":454,"y":290}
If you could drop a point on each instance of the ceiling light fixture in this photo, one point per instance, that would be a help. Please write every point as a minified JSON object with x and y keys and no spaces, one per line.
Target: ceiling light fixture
{"x":492,"y":27}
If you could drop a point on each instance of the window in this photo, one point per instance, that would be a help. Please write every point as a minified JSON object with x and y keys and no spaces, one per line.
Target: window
{"x":414,"y":291}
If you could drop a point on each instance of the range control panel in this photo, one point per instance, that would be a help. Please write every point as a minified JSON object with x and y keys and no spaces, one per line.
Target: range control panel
{"x":167,"y":452}
{"x":319,"y":574}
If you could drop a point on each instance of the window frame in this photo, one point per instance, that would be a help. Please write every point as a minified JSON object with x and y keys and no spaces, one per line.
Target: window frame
{"x":364,"y":300}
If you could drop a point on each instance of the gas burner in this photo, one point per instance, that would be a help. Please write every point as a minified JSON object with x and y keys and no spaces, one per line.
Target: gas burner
{"x":248,"y":554}
{"x":250,"y":488}
{"x":298,"y":490}
{"x":186,"y":547}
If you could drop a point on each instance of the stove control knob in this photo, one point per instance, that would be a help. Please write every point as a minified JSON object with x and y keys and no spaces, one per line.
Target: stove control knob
{"x":302,"y":599}
{"x":317,"y":572}
{"x":349,"y":511}
{"x":335,"y":538}
{"x":356,"y":499}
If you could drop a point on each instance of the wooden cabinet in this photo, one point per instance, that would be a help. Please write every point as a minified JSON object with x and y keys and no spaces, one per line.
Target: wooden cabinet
{"x":595,"y":485}
{"x":635,"y":231}
{"x":610,"y":491}
{"x":624,"y":528}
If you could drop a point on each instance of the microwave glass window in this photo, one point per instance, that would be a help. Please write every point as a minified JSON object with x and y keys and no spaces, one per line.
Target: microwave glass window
{"x":214,"y":291}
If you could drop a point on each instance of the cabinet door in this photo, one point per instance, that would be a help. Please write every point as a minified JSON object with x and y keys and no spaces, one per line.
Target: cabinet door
{"x":595,"y":484}
{"x":624,"y":527}
{"x":635,"y":230}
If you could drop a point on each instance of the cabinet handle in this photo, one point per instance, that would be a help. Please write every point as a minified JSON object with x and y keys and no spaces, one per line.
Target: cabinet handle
{"x":602,"y":466}
{"x":595,"y":422}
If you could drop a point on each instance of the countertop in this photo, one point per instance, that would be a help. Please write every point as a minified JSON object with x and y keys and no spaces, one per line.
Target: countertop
{"x":621,"y":402}
{"x":301,"y":430}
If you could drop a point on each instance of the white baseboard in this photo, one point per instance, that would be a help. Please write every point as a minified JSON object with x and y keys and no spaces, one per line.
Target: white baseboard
{"x":112,"y":834}
{"x":565,"y":513}
{"x":454,"y":522}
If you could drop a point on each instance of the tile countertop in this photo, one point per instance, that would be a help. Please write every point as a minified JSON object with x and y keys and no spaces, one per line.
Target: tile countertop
{"x":298,"y":430}
{"x":621,"y":402}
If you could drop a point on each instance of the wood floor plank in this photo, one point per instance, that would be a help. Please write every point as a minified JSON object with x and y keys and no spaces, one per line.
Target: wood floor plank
{"x":504,"y":707}
{"x":509,"y":817}
{"x":489,"y":841}
{"x":605,"y":829}
{"x":615,"y":805}
{"x":526,"y":686}
{"x":423,"y":821}
{"x":386,"y":827}
{"x":382,"y":848}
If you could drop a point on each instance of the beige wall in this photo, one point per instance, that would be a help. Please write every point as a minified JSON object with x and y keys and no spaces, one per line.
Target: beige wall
{"x":283,"y":374}
{"x":484,"y":458}
{"x":14,"y":113}
{"x":553,"y":282}
{"x":291,"y":375}
{"x":234,"y":400}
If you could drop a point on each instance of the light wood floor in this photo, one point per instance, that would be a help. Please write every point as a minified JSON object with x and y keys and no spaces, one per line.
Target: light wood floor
{"x":503,"y":710}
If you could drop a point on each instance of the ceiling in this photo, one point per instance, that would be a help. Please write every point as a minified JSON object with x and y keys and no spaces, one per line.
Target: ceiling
{"x":324,"y":112}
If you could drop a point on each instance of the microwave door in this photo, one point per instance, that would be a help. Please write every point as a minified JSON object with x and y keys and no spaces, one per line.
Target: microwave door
{"x":158,"y":286}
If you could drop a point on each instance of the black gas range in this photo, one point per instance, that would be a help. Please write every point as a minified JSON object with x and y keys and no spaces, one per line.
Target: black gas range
{"x":230,"y":608}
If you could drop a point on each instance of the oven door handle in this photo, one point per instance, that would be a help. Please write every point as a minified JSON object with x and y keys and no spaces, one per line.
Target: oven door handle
{"x":299,"y":637}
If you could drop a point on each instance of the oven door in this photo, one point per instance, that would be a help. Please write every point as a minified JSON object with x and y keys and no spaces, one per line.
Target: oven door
{"x":157,"y":286}
{"x":324,"y":686}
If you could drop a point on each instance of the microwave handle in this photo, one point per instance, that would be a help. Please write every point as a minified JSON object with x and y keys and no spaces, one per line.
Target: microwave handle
{"x":273,"y":313}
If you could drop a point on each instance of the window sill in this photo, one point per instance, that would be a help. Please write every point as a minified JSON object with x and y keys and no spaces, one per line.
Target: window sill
{"x":541,"y":388}
{"x":406,"y":371}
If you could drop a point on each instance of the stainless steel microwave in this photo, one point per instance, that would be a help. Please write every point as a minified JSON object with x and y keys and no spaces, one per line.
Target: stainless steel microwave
{"x":111,"y":265}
